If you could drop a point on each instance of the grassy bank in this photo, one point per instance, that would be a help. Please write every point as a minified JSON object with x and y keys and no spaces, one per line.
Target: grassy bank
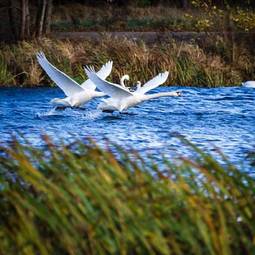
{"x":80,"y":199}
{"x":211,"y":63}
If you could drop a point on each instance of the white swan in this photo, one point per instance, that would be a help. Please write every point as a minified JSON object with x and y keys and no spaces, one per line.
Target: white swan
{"x":76,"y":95}
{"x":121,"y":98}
{"x":249,"y":84}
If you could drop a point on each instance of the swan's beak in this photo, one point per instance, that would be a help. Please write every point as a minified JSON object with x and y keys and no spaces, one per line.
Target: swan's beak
{"x":178,"y":93}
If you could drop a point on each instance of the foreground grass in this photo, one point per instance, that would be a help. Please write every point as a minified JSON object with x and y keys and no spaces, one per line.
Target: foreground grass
{"x":215,"y":62}
{"x":80,"y":199}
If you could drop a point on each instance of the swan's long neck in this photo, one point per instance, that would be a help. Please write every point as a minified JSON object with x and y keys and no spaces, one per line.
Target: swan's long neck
{"x":162,"y":94}
{"x":123,"y":78}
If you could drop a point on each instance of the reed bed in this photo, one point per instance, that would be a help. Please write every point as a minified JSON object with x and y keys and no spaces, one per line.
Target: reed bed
{"x":82,"y":199}
{"x":211,"y":64}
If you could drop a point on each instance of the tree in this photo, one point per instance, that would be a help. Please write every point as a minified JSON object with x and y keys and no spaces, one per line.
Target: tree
{"x":29,"y":19}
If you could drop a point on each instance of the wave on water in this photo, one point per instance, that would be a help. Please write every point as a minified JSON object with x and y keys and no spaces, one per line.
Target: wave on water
{"x":224,"y":117}
{"x":51,"y":112}
{"x":92,"y":114}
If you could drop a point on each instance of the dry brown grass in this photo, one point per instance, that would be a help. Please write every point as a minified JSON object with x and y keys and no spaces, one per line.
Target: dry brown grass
{"x":187,"y":63}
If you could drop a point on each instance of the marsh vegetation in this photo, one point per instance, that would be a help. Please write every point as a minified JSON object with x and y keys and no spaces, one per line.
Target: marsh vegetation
{"x":211,"y":63}
{"x":79,"y":198}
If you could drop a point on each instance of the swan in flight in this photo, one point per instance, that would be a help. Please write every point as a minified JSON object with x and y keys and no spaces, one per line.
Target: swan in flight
{"x":120,"y":98}
{"x":76,"y":95}
{"x":249,"y":84}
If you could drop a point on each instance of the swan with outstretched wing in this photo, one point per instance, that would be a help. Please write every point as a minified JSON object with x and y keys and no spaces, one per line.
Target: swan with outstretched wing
{"x":76,"y":95}
{"x":120,"y":98}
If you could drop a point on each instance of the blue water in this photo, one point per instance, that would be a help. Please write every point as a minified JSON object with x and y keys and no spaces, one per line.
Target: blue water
{"x":210,"y":118}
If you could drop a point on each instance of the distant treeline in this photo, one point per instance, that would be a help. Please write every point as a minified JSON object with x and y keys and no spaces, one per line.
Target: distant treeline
{"x":27,"y":19}
{"x":174,"y":3}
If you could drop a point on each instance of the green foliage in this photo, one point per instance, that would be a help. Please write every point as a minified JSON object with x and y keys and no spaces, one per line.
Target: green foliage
{"x":143,"y":3}
{"x":244,"y":19}
{"x":204,"y":16}
{"x":6,"y":76}
{"x":81,"y":199}
{"x":186,"y":70}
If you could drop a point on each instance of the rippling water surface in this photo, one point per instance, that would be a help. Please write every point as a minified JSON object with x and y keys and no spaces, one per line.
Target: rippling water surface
{"x":210,"y":118}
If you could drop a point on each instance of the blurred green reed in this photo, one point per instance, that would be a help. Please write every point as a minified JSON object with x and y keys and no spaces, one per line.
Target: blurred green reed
{"x":82,"y":199}
{"x":5,"y":75}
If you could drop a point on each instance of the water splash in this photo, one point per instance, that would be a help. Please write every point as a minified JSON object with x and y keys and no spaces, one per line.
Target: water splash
{"x":93,"y":114}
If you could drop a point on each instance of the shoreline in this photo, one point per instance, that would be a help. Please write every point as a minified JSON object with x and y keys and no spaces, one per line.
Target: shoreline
{"x":39,"y":86}
{"x":208,"y":61}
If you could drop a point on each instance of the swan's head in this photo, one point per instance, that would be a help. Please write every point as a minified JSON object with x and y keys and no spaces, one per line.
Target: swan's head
{"x":175,"y":93}
{"x":178,"y":93}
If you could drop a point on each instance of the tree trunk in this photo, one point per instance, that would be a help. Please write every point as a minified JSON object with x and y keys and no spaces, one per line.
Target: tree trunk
{"x":47,"y":19}
{"x":23,"y":19}
{"x":22,"y":25}
{"x":40,"y":17}
{"x":27,"y":31}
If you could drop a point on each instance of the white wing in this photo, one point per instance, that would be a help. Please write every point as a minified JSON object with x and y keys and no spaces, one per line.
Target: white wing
{"x":102,"y":73}
{"x":110,"y":89}
{"x":67,"y":84}
{"x":153,"y":83}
